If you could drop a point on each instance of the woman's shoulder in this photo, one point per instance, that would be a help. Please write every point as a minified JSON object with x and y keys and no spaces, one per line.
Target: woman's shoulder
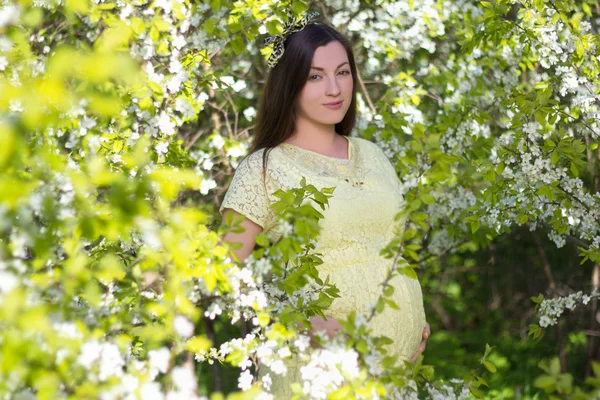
{"x":278,"y":159}
{"x":278,"y":168}
{"x":366,"y":146}
{"x":254,"y":160}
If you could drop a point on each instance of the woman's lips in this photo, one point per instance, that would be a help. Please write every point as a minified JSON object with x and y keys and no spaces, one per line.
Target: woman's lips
{"x":334,"y":106}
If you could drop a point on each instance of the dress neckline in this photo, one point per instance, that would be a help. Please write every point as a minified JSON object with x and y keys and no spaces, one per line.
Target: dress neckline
{"x":323,"y":156}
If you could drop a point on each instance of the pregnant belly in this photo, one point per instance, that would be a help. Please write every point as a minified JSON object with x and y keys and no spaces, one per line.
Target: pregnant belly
{"x":360,"y":289}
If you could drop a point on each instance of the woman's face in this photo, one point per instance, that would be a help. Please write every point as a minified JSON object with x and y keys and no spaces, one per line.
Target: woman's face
{"x":330,"y":81}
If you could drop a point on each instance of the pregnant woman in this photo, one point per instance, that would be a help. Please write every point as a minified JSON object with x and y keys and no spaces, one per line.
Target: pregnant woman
{"x":306,"y":115}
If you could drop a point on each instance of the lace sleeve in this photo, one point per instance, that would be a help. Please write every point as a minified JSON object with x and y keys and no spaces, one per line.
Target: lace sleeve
{"x":247,"y":193}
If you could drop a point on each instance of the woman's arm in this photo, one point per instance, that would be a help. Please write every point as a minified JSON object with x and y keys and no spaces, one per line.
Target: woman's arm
{"x":247,"y":238}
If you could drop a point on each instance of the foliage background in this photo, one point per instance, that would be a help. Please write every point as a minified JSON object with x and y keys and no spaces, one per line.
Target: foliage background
{"x":122,"y":122}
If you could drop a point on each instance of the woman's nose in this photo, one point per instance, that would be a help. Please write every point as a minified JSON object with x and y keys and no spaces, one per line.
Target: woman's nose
{"x":333,"y":88}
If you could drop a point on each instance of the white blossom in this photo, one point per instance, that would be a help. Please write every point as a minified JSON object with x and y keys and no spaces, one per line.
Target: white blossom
{"x":250,"y":113}
{"x":183,"y":326}
{"x":162,"y":147}
{"x":183,"y":379}
{"x":159,"y":359}
{"x":207,"y":185}
{"x":245,"y":380}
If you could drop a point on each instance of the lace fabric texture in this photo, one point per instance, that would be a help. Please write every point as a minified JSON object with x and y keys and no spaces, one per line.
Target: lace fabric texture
{"x":358,"y":223}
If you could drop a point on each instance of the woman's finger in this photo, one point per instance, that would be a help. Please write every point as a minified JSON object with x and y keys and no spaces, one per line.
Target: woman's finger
{"x":420,"y":350}
{"x":414,"y":357}
{"x":426,"y":332}
{"x":422,"y":346}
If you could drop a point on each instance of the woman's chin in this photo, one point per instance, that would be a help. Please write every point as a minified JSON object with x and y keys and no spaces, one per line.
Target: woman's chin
{"x":331,"y":121}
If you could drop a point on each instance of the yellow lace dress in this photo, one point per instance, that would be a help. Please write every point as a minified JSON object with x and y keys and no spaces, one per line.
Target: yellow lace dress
{"x":358,"y":223}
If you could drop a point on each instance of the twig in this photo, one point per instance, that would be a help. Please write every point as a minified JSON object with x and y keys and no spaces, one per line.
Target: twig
{"x":591,"y":348}
{"x":224,"y":112}
{"x":545,"y":262}
{"x":364,"y":90}
{"x":575,"y":119}
{"x":194,"y":139}
{"x":235,"y":110}
{"x":438,"y":98}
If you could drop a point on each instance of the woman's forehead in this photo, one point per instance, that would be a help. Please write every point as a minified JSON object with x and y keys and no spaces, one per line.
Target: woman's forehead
{"x":330,"y":56}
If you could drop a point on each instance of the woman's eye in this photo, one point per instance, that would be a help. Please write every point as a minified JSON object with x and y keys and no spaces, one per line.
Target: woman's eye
{"x":315,"y":77}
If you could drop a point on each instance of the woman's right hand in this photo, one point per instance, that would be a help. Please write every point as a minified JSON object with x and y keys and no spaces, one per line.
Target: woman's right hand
{"x":331,"y":327}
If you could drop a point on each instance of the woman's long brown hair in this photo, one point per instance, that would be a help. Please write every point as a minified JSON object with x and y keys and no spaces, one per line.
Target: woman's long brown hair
{"x":276,"y":116}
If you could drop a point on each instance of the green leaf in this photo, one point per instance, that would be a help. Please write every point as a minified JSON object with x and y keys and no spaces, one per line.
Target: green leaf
{"x":273,"y":27}
{"x":138,"y":26}
{"x":209,"y":25}
{"x":574,"y":169}
{"x":263,"y":319}
{"x":409,"y":234}
{"x":427,"y":372}
{"x":8,"y":140}
{"x":340,"y":394}
{"x":412,"y":254}
{"x":418,"y":216}
{"x":106,"y":6}
{"x":161,"y":24}
{"x":538,"y":299}
{"x":388,"y":291}
{"x":482,"y":381}
{"x":490,"y":366}
{"x":380,"y":306}
{"x":555,"y":366}
{"x":522,"y":218}
{"x":299,"y":7}
{"x":117,"y":146}
{"x":416,"y":146}
{"x":500,"y":167}
{"x":427,"y":198}
{"x":362,"y":346}
{"x":262,"y":240}
{"x":544,"y":382}
{"x":237,"y":43}
{"x":409,"y":272}
{"x":547,"y":192}
{"x":154,"y":34}
{"x":475,"y":392}
{"x":155,"y":87}
{"x":78,"y":6}
{"x":579,"y":48}
{"x":198,"y":343}
{"x":392,"y":304}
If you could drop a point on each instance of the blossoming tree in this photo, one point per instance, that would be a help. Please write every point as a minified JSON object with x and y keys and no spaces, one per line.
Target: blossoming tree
{"x":120,"y":121}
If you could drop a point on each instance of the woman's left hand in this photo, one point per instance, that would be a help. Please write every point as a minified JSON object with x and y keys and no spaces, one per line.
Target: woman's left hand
{"x":423,"y":344}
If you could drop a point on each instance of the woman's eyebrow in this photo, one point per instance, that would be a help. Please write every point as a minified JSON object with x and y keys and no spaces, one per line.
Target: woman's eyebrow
{"x":322,"y":69}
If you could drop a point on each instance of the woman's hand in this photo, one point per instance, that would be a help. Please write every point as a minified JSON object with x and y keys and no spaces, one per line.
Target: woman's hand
{"x":422,"y":345}
{"x":331,"y":327}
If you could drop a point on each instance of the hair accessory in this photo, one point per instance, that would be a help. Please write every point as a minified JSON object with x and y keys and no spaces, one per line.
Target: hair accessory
{"x":292,"y":25}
